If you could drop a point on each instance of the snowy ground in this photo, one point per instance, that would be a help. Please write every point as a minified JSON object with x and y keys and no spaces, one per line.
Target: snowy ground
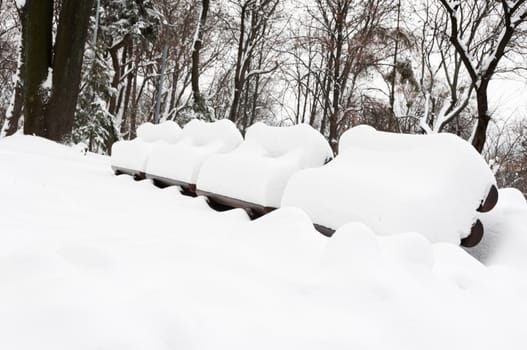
{"x":89,"y":260}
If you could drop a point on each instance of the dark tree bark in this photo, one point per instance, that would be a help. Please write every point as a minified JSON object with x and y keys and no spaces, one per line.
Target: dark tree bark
{"x":50,"y":112}
{"x":133,"y":112}
{"x":37,"y":45}
{"x":122,"y":67}
{"x":67,"y":63}
{"x":114,"y":55}
{"x":125,"y":125}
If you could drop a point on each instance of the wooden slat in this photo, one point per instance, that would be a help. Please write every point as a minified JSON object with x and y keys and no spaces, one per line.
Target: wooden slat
{"x":160,"y":181}
{"x":218,"y":200}
{"x":138,"y":175}
{"x":476,"y":234}
{"x":490,"y":201}
{"x":326,"y":231}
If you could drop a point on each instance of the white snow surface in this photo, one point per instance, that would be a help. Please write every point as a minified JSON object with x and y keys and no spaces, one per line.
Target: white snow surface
{"x":506,"y":236}
{"x":89,"y":260}
{"x":431,"y":184}
{"x":133,"y":154}
{"x":200,"y":140}
{"x":168,"y":131}
{"x":259,"y":169}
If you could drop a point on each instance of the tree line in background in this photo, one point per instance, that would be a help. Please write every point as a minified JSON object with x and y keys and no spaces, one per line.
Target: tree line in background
{"x":91,"y":71}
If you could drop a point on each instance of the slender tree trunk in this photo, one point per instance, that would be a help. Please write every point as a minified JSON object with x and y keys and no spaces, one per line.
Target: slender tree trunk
{"x":480,"y":135}
{"x":314,"y":103}
{"x":326,"y":91}
{"x":308,"y":87}
{"x":114,"y":55}
{"x":133,"y":114}
{"x":392,"y":120}
{"x":37,"y":45}
{"x":122,"y":68}
{"x":246,"y":117}
{"x":238,"y":81}
{"x":337,"y":81}
{"x":256,"y":92}
{"x":199,"y":102}
{"x":14,"y":111}
{"x":69,"y":53}
{"x":115,"y":80}
{"x":173,"y":90}
{"x":125,"y":126}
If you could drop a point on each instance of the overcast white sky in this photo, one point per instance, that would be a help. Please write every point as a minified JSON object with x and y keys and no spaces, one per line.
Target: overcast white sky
{"x":508,"y":98}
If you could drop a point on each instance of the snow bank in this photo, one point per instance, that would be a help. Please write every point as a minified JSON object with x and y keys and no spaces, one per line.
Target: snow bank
{"x":132,"y":266}
{"x":259,"y":169}
{"x":431,"y":184}
{"x":356,"y":248}
{"x":505,"y":240}
{"x":199,"y":141}
{"x":131,"y":156}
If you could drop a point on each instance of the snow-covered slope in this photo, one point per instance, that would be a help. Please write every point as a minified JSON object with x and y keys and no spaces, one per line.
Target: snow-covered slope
{"x":89,"y":260}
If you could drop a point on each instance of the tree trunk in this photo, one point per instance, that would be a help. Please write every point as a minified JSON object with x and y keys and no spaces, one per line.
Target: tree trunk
{"x":114,"y":55}
{"x":122,"y":68}
{"x":392,"y":120}
{"x":69,"y":53}
{"x":125,"y":126}
{"x":173,"y":90}
{"x":13,"y":118}
{"x":480,"y":135}
{"x":337,"y":82}
{"x":133,"y":113}
{"x":37,"y":44}
{"x":14,"y":111}
{"x":238,"y":81}
{"x":199,"y":102}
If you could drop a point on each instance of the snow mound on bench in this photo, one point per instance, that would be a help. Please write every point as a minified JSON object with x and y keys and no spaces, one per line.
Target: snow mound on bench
{"x":168,"y":131}
{"x":133,"y":154}
{"x":431,"y":184}
{"x":258,"y":171}
{"x":199,"y":140}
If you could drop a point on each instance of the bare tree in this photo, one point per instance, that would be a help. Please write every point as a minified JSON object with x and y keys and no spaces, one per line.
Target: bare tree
{"x":352,"y":38}
{"x":483,"y":33}
{"x":254,"y":27}
{"x":436,"y":96}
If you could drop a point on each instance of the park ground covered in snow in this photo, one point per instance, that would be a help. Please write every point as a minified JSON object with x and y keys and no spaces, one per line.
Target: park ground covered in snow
{"x":89,"y":260}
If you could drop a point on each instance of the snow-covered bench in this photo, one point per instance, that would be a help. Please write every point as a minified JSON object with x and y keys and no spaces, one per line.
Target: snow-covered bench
{"x":255,"y":174}
{"x":180,"y":163}
{"x":431,"y":184}
{"x":130,"y":157}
